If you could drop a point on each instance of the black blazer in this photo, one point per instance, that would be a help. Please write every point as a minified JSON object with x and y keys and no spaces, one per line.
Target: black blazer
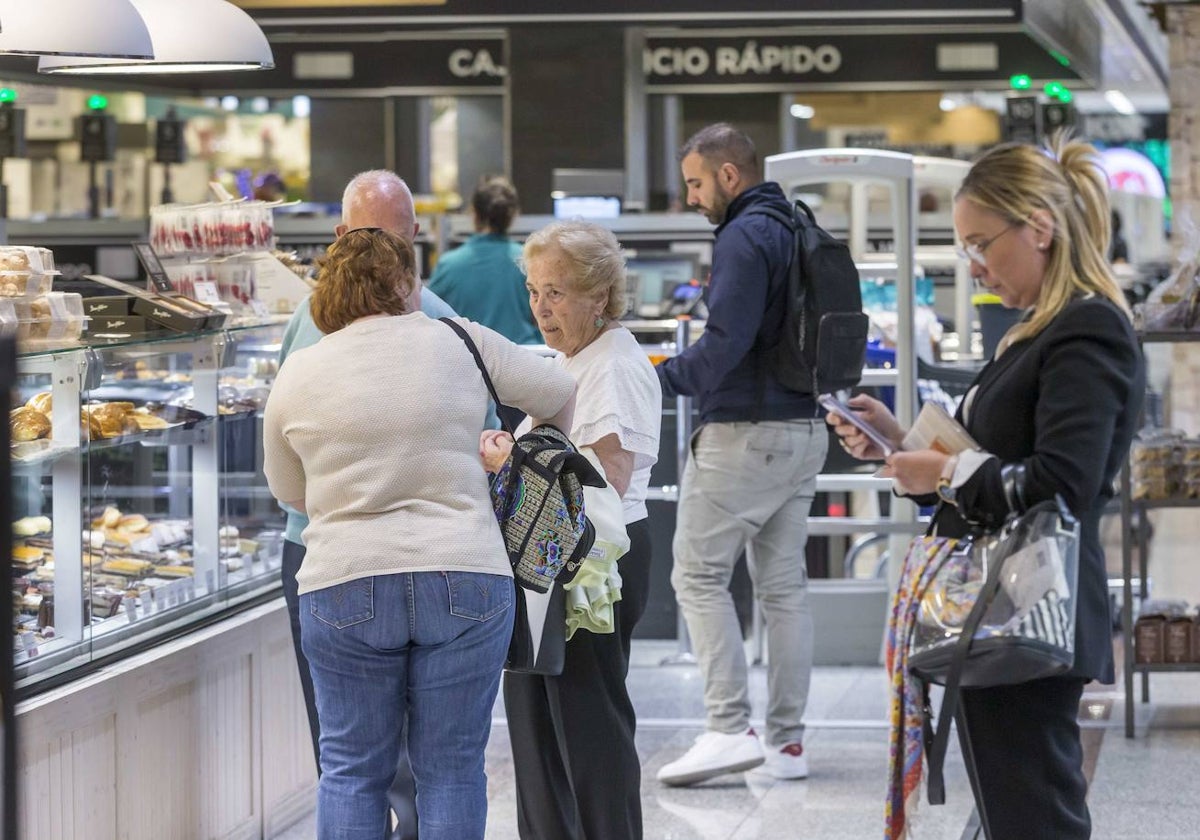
{"x":1066,"y":404}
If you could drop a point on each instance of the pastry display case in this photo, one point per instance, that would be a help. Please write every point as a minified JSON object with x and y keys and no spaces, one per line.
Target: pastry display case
{"x":139,"y":506}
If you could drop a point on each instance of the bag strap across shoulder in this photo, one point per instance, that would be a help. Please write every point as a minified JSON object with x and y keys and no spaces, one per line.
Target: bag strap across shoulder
{"x":487,"y":380}
{"x":792,"y":223}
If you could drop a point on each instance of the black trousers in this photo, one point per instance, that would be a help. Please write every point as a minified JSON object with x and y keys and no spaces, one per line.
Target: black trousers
{"x":577,"y":769}
{"x":1024,"y":743}
{"x":402,"y":796}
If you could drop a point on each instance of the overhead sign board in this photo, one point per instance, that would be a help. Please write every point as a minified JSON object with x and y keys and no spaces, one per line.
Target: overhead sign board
{"x":400,"y":63}
{"x":685,"y":60}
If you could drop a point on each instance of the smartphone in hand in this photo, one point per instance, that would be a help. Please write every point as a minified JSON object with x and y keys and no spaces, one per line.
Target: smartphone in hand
{"x":832,"y":404}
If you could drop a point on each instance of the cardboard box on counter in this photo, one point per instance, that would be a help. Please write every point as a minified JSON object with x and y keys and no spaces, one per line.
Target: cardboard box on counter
{"x":172,"y":314}
{"x":123,"y":324}
{"x":175,"y":313}
{"x":106,"y":306}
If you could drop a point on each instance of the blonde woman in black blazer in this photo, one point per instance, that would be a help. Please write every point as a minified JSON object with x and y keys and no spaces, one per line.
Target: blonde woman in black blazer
{"x":1061,"y":398}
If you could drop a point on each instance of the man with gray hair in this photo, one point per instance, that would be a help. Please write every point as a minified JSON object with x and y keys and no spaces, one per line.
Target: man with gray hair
{"x":378,"y":198}
{"x":752,"y":474}
{"x":375,"y":199}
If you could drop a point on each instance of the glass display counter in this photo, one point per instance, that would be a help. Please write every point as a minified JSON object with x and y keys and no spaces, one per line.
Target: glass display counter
{"x":139,"y":506}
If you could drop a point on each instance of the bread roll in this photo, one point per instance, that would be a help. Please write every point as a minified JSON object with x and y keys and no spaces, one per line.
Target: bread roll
{"x":90,"y":426}
{"x":42,"y":402}
{"x":146,"y":421}
{"x":113,"y":418}
{"x":133,"y":522}
{"x":31,"y":526}
{"x":24,"y":527}
{"x":27,"y":424}
{"x":108,"y":519}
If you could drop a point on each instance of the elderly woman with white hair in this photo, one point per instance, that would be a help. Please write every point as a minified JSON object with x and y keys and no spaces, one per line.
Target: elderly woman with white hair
{"x":577,"y":769}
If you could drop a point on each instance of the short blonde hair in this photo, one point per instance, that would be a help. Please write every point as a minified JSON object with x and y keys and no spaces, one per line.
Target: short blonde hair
{"x":1064,"y":179}
{"x":594,"y":255}
{"x":367,"y":271}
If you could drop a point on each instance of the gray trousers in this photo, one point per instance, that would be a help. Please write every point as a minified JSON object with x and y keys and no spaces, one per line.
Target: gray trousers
{"x":749,"y":483}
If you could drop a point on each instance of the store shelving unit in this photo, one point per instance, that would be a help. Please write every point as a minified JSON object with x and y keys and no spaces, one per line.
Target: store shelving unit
{"x":1130,"y":506}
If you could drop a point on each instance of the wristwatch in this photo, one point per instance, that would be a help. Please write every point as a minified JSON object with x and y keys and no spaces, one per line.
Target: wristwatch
{"x":945,"y":492}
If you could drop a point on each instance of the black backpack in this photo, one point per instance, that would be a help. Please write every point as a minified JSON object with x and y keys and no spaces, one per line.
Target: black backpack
{"x":823,"y":345}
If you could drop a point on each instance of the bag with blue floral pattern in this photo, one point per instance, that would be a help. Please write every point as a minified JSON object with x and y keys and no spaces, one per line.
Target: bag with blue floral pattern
{"x":537,"y":496}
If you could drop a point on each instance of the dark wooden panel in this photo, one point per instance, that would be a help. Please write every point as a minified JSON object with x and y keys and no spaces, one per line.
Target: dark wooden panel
{"x":568,"y":105}
{"x":347,"y":137}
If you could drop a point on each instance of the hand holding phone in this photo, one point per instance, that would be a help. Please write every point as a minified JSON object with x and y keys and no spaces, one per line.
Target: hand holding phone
{"x":835,"y":406}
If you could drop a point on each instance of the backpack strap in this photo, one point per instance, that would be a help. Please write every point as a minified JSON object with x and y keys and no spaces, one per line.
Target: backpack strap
{"x":487,"y":380}
{"x":792,"y":224}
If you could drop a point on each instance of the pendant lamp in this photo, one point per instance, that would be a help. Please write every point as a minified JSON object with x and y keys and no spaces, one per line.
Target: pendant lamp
{"x":189,"y":36}
{"x":105,"y":28}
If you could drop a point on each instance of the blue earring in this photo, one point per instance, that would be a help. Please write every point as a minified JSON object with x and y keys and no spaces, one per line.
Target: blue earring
{"x":599,"y":322}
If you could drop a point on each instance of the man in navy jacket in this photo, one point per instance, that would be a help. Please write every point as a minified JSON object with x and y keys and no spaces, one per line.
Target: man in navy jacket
{"x":751,"y":475}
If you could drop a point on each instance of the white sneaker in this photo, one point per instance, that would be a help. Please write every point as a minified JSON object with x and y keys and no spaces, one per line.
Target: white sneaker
{"x":787,"y":761}
{"x":714,"y":754}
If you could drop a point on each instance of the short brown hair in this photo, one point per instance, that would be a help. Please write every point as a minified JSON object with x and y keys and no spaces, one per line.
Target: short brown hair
{"x":723,"y":143}
{"x":495,"y":203}
{"x":366,"y":271}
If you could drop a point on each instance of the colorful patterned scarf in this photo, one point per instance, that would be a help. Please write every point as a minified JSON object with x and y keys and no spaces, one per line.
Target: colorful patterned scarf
{"x":905,"y":744}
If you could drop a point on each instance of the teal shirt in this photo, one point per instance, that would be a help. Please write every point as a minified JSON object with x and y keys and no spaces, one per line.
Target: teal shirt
{"x":301,"y":332}
{"x":481,"y":280}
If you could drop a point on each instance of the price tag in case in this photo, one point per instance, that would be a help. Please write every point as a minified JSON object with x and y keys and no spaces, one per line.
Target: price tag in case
{"x":206,"y":291}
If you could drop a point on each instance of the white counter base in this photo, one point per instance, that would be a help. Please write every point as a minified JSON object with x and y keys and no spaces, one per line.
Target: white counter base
{"x":204,"y":737}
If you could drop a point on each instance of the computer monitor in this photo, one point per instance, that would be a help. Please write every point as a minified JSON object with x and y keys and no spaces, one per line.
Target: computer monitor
{"x":587,"y":207}
{"x":658,"y":275}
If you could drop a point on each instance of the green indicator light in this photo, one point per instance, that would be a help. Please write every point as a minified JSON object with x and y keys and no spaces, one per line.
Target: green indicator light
{"x":97,"y":102}
{"x":1065,"y":95}
{"x":1053,"y":89}
{"x":1020,"y":81}
{"x":1060,"y":58}
{"x":8,"y":95}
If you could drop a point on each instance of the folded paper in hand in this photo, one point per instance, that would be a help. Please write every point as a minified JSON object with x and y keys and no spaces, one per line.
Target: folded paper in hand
{"x":936,"y":429}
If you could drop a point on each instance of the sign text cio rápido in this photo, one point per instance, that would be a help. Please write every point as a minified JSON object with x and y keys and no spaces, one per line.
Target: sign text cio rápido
{"x":753,"y":59}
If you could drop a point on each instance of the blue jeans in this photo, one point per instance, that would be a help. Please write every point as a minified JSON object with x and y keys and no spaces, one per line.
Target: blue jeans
{"x":429,"y":645}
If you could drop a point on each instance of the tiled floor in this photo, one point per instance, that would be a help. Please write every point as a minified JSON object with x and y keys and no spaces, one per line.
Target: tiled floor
{"x":1142,"y":788}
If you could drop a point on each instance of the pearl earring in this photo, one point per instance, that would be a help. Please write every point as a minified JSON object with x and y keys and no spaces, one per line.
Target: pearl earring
{"x":598,"y":323}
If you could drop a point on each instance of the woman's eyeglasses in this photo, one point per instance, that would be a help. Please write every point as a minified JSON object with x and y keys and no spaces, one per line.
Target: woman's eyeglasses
{"x":974,"y":251}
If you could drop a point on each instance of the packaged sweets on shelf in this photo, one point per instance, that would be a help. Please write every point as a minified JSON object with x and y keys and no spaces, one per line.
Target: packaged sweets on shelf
{"x":26,"y":271}
{"x":221,"y":229}
{"x":53,"y":318}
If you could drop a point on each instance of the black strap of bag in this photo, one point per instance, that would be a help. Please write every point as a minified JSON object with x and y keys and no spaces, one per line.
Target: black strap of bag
{"x":510,"y":417}
{"x":504,"y":412}
{"x":937,"y":741}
